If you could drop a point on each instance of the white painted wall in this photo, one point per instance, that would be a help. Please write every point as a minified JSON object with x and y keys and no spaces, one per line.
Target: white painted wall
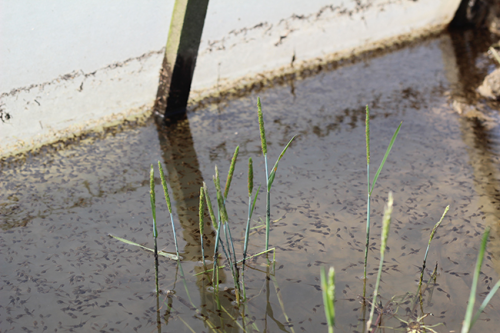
{"x":67,"y":67}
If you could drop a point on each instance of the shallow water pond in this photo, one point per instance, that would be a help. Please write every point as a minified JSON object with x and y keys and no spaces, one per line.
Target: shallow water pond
{"x":61,"y":272}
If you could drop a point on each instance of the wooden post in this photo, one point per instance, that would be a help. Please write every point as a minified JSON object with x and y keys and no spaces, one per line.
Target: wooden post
{"x":183,"y":42}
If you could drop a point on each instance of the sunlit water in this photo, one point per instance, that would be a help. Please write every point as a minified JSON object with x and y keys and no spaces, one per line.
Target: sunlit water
{"x":61,"y":272}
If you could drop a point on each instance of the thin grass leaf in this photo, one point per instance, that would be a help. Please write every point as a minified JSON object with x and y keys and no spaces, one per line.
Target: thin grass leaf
{"x":251,"y":206}
{"x":467,"y":324}
{"x":161,"y":253}
{"x":328,"y":288}
{"x":241,"y":260}
{"x":282,"y":303}
{"x":233,"y":319}
{"x":185,"y":323}
{"x":210,"y":207}
{"x":485,"y":302}
{"x":220,"y":198}
{"x":368,"y":225}
{"x":255,"y":200}
{"x":165,"y":188}
{"x":385,"y":156}
{"x":261,"y":128}
{"x":275,"y":168}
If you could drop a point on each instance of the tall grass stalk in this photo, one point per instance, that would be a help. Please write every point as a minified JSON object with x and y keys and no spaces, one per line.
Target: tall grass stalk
{"x":386,"y":222}
{"x":217,"y":225}
{"x":251,"y":206}
{"x":269,"y":176}
{"x":428,"y":246}
{"x":155,"y":231}
{"x":328,"y":288}
{"x":202,"y":225}
{"x":230,"y":256}
{"x":264,"y":152}
{"x":370,"y":187}
{"x":469,"y":321}
{"x":226,"y":192}
{"x":169,"y":205}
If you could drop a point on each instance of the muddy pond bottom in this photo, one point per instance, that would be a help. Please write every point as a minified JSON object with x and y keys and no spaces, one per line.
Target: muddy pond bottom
{"x":61,"y":272}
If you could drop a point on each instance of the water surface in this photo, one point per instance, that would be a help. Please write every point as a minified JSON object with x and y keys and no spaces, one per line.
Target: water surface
{"x":60,"y":271}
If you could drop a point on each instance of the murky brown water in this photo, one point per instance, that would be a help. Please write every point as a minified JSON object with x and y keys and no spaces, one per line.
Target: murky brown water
{"x":61,"y":272}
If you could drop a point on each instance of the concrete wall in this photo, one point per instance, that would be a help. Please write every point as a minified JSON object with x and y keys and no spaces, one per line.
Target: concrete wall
{"x":68,"y":67}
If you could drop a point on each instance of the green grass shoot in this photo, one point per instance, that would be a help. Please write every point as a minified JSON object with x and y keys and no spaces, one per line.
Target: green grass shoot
{"x":328,"y":289}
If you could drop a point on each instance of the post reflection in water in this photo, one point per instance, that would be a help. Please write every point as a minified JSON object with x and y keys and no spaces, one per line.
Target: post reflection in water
{"x":185,"y":179}
{"x":465,"y":76}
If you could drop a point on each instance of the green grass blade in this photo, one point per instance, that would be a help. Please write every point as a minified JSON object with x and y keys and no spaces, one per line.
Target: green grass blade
{"x":385,"y":156}
{"x":165,"y":188}
{"x":275,"y":168}
{"x":255,"y":200}
{"x":231,"y":171}
{"x":220,"y":198}
{"x":485,"y":302}
{"x":328,"y":288}
{"x":210,"y":207}
{"x":261,"y":127}
{"x":368,"y":226}
{"x":160,"y":253}
{"x":467,"y":325}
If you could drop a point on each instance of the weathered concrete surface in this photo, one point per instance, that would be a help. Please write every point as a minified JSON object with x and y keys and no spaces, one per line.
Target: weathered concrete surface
{"x":67,"y":68}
